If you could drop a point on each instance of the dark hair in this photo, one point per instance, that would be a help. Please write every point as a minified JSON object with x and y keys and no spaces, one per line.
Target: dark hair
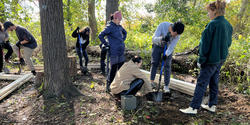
{"x":178,"y":27}
{"x":136,"y":59}
{"x":217,"y":5}
{"x":8,"y":24}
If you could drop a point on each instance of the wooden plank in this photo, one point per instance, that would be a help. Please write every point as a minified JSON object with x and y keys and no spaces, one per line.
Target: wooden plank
{"x":4,"y":76}
{"x":14,"y":85}
{"x":178,"y":85}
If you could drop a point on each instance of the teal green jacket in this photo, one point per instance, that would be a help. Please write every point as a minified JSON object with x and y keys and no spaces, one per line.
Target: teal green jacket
{"x":215,"y":41}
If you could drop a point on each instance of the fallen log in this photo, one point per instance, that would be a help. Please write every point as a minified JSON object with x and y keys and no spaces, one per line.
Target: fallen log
{"x":178,"y":85}
{"x":4,"y":76}
{"x":14,"y":85}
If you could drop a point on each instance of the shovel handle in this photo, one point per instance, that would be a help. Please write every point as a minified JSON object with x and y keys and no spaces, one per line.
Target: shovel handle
{"x":162,"y":66}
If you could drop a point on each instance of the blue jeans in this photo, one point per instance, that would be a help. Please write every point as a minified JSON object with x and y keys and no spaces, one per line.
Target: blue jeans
{"x":209,"y":75}
{"x":156,"y":56}
{"x":85,"y":55}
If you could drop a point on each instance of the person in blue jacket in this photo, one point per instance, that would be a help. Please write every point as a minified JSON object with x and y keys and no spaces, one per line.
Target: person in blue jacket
{"x":116,"y":36}
{"x":83,"y":37}
{"x":213,"y":51}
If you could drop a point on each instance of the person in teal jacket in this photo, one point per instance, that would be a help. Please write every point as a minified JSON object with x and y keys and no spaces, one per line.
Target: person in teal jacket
{"x":214,"y":44}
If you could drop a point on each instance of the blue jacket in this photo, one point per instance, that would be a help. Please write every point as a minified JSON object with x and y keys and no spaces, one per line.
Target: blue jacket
{"x":116,"y":35}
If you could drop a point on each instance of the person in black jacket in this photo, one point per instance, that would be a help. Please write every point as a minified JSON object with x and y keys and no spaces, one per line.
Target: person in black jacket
{"x":83,"y":38}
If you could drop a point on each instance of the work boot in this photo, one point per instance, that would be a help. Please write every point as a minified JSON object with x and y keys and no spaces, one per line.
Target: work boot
{"x":153,"y":84}
{"x":22,"y":62}
{"x":189,"y":110}
{"x":166,"y":89}
{"x":211,"y":109}
{"x":33,"y":72}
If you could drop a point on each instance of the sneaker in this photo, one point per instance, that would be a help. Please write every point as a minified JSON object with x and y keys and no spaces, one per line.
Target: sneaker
{"x":33,"y":72}
{"x":166,"y":89}
{"x":189,"y":110}
{"x":211,"y":109}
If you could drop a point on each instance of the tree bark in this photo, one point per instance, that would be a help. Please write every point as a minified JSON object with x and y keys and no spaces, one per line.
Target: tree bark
{"x":238,"y":26}
{"x":111,"y":7}
{"x":92,"y":19}
{"x":56,"y":65}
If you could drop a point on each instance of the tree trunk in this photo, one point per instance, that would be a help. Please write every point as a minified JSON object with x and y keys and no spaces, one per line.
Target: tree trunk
{"x":56,"y":66}
{"x":239,"y":26}
{"x":111,"y":7}
{"x":92,"y":19}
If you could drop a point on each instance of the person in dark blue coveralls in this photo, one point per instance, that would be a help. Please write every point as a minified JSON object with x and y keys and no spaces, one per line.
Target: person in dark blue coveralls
{"x":116,"y":36}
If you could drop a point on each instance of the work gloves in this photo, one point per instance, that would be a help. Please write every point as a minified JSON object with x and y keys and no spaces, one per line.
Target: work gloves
{"x":105,"y":46}
{"x":166,"y":38}
{"x":78,"y":28}
{"x":18,"y":44}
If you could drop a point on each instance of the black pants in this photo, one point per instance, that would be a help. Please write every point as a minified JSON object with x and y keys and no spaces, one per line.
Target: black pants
{"x":7,"y":55}
{"x":112,"y":72}
{"x":103,"y":58}
{"x":135,"y":86}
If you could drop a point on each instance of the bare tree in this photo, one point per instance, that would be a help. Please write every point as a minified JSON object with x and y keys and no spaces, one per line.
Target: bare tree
{"x":243,"y":8}
{"x":111,"y":7}
{"x":92,"y":19}
{"x":56,"y":66}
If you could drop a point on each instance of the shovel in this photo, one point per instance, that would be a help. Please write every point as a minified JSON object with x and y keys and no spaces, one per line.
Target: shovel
{"x":157,"y":96}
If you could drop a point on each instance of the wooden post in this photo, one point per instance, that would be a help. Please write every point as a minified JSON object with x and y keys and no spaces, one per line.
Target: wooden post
{"x":72,"y":65}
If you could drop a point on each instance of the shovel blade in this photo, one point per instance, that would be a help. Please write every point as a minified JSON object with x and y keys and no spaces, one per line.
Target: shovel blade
{"x":157,"y":96}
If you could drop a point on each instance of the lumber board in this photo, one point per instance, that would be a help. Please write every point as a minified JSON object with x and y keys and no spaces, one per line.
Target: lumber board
{"x":4,"y":76}
{"x":14,"y":85}
{"x":178,"y":85}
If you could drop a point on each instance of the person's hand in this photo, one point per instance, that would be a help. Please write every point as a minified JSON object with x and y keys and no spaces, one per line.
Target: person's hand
{"x":198,"y":65}
{"x":164,"y":57}
{"x":78,"y":28}
{"x":18,"y":44}
{"x":105,"y":46}
{"x":166,"y":39}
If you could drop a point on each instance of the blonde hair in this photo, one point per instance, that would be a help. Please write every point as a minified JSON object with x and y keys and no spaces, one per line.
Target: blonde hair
{"x":218,"y":6}
{"x":1,"y":27}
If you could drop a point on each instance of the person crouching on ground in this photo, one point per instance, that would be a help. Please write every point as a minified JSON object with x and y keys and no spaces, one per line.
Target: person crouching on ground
{"x":4,"y":43}
{"x":214,"y":44}
{"x":27,"y":42}
{"x":81,"y":48}
{"x":129,"y":79}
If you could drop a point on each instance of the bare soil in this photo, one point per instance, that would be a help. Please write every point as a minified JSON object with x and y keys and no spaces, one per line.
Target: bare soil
{"x":26,"y":106}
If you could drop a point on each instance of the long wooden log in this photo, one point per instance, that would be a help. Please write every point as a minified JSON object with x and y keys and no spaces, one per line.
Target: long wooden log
{"x":4,"y":76}
{"x":178,"y":85}
{"x":14,"y":85}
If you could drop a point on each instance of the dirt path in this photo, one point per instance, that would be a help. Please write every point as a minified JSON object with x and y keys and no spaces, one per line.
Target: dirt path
{"x":25,"y":106}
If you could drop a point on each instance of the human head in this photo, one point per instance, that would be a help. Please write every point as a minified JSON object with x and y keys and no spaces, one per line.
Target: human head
{"x":216,"y":8}
{"x":176,"y":29}
{"x":86,"y":30}
{"x":137,"y":60}
{"x":9,"y":26}
{"x":116,"y":17}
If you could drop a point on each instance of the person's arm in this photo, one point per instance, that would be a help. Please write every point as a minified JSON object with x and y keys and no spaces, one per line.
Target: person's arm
{"x":105,"y":32}
{"x":157,"y":38}
{"x":205,"y":43}
{"x":172,"y":45}
{"x":27,"y":37}
{"x":75,"y":33}
{"x":124,"y":34}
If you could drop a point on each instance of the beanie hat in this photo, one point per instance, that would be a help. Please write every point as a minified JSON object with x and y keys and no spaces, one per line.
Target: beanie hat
{"x":7,"y":25}
{"x":118,"y":15}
